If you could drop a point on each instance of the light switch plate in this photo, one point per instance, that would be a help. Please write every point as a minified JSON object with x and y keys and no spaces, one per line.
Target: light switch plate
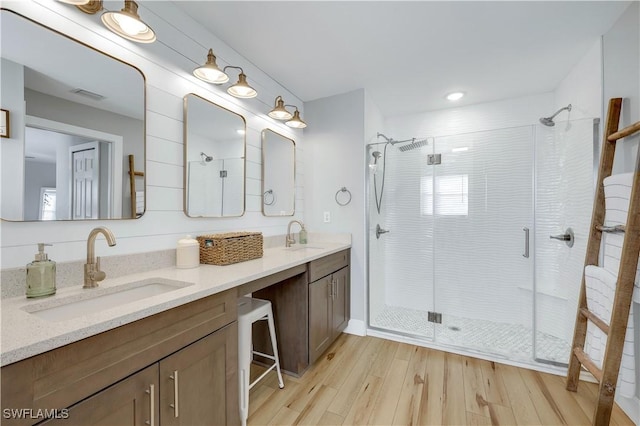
{"x":327,"y":217}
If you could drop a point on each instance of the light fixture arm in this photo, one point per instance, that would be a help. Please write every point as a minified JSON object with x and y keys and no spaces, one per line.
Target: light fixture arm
{"x":234,"y":67}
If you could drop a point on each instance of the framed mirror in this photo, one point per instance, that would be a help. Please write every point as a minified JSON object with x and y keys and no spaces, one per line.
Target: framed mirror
{"x":214,"y":159}
{"x":278,"y":174}
{"x":77,"y":117}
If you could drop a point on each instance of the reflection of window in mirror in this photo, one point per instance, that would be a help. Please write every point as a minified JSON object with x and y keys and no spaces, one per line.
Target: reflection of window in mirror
{"x":278,"y":174}
{"x":214,"y":152}
{"x":47,"y":204}
{"x":98,"y":101}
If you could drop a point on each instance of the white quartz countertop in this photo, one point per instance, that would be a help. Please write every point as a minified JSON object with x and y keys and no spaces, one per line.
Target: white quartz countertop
{"x":25,"y":334}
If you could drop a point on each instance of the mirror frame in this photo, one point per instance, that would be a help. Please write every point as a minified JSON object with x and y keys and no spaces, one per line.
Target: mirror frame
{"x":262,"y":139}
{"x":144,"y":120}
{"x":185,"y":161}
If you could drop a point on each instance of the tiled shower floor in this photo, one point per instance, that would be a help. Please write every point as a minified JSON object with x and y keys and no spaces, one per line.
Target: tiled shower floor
{"x":511,"y":341}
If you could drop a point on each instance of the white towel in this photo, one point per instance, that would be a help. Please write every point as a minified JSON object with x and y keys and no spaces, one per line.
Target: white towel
{"x":601,"y":286}
{"x":139,"y":202}
{"x":617,"y":190}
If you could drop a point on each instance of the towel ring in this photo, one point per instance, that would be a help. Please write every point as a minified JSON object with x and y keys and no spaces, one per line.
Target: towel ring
{"x":266,"y":194}
{"x":343,"y":189}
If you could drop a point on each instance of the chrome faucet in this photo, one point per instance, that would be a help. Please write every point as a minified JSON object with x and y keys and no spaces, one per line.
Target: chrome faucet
{"x":291,"y":239}
{"x":92,"y":272}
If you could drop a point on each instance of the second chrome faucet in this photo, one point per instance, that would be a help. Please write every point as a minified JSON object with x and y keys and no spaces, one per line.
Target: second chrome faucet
{"x":289,"y":239}
{"x":92,"y":272}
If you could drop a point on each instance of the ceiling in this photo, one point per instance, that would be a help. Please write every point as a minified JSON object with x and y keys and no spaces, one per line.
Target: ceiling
{"x":409,"y":55}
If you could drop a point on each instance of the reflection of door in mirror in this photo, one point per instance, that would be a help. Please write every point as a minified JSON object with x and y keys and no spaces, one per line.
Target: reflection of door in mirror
{"x":214,"y":159}
{"x":278,"y":174}
{"x":98,"y":99}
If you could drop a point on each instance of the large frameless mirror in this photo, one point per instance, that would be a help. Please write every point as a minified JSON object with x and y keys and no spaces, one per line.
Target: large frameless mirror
{"x":77,"y":120}
{"x":214,"y":153}
{"x":278,"y":174}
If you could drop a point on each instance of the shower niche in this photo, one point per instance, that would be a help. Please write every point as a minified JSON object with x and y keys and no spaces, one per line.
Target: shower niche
{"x":468,"y":262}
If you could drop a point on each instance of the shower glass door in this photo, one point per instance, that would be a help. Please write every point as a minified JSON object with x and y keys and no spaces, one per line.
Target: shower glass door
{"x":480,"y":199}
{"x":401,"y":259}
{"x":564,"y":199}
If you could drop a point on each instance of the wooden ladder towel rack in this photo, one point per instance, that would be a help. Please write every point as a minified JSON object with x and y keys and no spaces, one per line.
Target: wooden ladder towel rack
{"x":617,"y":326}
{"x":132,"y":185}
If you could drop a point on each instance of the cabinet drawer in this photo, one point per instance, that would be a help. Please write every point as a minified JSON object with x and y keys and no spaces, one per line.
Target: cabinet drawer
{"x":322,"y":267}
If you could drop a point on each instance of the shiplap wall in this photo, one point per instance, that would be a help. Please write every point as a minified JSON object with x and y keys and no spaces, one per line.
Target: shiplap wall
{"x":167,"y":65}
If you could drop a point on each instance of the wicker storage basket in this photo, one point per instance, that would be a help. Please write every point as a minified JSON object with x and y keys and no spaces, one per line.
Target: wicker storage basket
{"x":232,"y":247}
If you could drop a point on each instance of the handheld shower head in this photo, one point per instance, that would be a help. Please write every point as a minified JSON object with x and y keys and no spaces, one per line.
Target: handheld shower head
{"x":205,"y":157}
{"x":548,"y":121}
{"x":374,"y":163}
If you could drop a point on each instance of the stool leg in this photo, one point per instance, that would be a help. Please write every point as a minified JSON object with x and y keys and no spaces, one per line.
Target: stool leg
{"x":272,"y":332}
{"x":244,"y":366}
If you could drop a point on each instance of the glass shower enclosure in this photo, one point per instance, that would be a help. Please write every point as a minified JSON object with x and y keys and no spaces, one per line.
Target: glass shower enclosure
{"x":460,"y":247}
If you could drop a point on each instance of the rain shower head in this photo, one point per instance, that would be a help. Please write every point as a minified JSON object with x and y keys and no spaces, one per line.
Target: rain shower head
{"x":413,"y":145}
{"x":205,"y":157}
{"x":548,"y":121}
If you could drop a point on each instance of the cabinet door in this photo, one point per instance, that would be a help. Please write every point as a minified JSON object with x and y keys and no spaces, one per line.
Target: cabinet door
{"x":320,"y":319}
{"x":199,"y":384}
{"x":341,"y":303}
{"x":132,"y":401}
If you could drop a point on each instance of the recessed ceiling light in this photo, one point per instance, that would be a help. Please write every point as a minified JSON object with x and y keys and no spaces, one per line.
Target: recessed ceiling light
{"x":455,"y":96}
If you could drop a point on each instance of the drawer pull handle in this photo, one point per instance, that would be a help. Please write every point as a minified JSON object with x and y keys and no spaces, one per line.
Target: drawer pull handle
{"x":174,"y":377}
{"x":152,"y":405}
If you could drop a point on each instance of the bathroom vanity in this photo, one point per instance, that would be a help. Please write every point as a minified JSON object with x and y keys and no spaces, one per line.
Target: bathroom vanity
{"x":169,"y":359}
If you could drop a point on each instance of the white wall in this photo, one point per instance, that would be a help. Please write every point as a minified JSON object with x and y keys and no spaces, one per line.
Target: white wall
{"x":167,"y":66}
{"x":621,"y":48}
{"x":334,"y":156}
{"x":12,"y":171}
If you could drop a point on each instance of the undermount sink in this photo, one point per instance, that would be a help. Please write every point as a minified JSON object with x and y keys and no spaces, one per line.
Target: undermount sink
{"x":302,"y":247}
{"x":92,"y":301}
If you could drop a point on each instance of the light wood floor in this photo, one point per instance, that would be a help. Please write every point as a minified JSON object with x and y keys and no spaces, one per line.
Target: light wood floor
{"x":371,"y":381}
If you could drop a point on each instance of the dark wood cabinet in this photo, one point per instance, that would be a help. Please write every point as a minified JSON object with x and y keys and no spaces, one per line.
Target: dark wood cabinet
{"x":107,"y":379}
{"x":199,"y":384}
{"x":130,"y":402}
{"x":329,"y":301}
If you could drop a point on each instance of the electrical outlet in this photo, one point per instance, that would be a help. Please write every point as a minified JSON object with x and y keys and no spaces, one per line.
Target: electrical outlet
{"x":327,"y":217}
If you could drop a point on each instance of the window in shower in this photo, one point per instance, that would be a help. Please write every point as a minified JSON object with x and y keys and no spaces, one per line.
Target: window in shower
{"x":452,"y":193}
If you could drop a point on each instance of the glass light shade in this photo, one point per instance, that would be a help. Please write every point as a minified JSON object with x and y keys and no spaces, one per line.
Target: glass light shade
{"x":127,"y":24}
{"x":280,"y":112}
{"x":296,"y":122}
{"x":210,"y":72}
{"x":242,"y":89}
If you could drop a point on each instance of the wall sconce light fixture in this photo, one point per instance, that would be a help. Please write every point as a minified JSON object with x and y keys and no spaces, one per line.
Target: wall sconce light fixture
{"x":210,"y":72}
{"x":87,"y":6}
{"x":280,"y":112}
{"x":127,"y":24}
{"x":241,"y":89}
{"x":296,"y":122}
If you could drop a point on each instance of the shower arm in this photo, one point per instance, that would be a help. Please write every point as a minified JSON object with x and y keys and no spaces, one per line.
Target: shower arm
{"x":567,"y":108}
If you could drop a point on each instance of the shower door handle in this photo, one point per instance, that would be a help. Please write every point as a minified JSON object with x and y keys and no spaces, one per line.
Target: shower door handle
{"x":526,"y":242}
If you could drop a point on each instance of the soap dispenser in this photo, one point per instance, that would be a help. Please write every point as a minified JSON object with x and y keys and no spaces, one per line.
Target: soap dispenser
{"x":302,"y":236}
{"x":41,"y":274}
